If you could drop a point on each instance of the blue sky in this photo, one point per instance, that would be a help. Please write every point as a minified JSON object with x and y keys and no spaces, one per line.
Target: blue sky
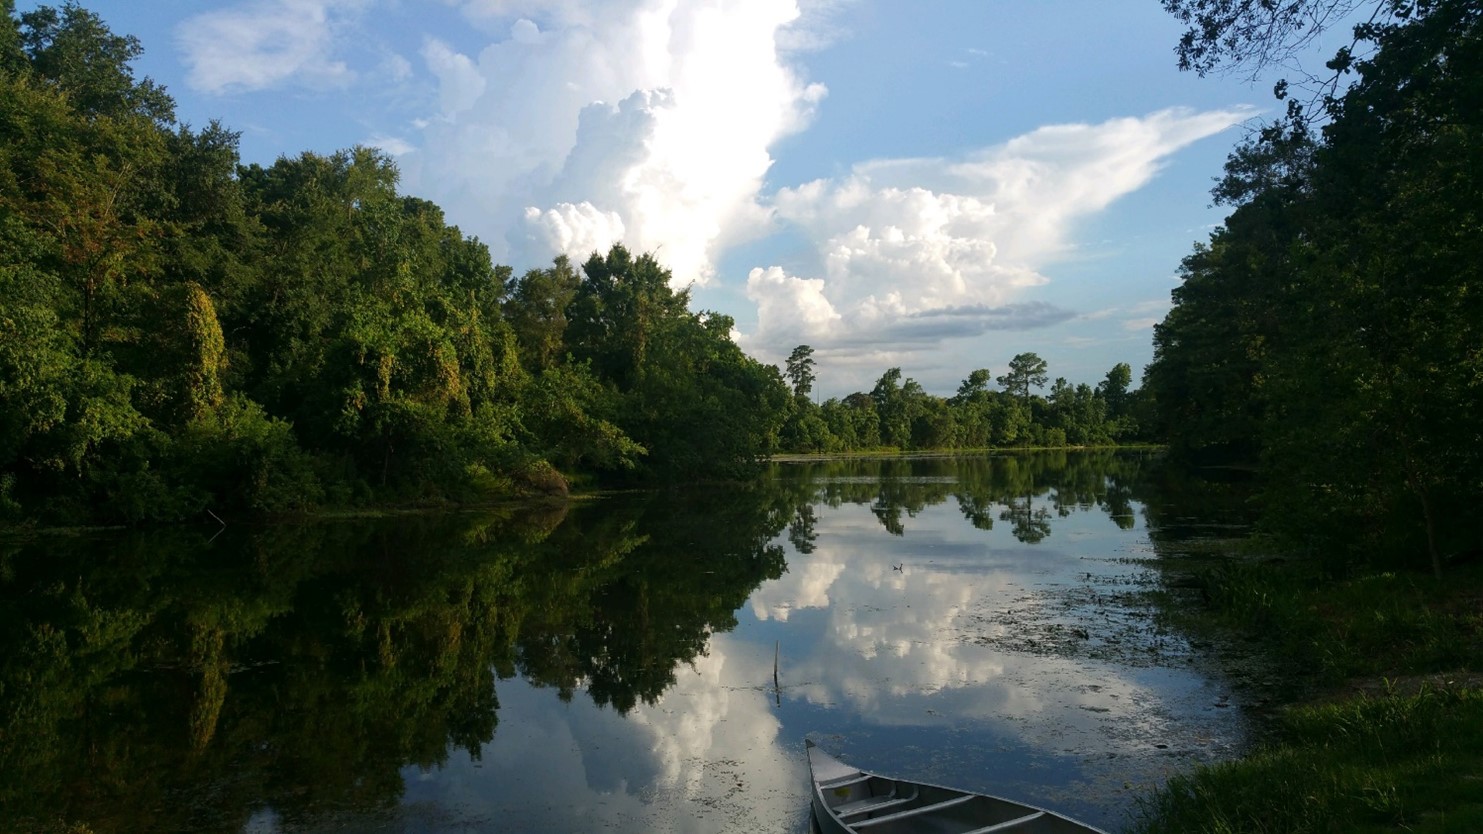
{"x":931,"y":185}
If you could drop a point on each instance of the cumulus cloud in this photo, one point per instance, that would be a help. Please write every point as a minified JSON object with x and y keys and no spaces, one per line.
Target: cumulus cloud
{"x":915,"y":251}
{"x":574,"y":228}
{"x":646,"y":122}
{"x":265,"y":44}
{"x":563,"y":126}
{"x":575,"y":125}
{"x":459,"y":81}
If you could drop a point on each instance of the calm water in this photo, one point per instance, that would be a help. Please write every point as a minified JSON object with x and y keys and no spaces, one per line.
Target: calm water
{"x":610,"y":667}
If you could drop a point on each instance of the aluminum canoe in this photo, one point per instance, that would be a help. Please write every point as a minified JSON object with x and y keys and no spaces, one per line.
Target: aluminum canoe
{"x":848,"y":800}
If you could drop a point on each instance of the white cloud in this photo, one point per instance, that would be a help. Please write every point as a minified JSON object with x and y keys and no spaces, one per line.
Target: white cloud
{"x":784,"y":298}
{"x":577,"y":124}
{"x":391,"y":144}
{"x":459,"y":83}
{"x":397,"y":68}
{"x":909,"y":252}
{"x":647,"y":122}
{"x":575,"y":228}
{"x":1142,"y":315}
{"x":265,"y":44}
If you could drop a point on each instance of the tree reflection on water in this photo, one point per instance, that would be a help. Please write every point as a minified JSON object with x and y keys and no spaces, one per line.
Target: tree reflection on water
{"x":169,"y":680}
{"x":185,"y":679}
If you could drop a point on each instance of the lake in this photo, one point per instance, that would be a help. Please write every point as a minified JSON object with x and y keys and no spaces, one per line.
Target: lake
{"x":628,"y":663}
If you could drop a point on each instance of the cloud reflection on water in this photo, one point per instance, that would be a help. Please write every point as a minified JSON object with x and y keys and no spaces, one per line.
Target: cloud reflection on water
{"x":905,"y":634}
{"x":707,"y":757}
{"x":891,"y":651}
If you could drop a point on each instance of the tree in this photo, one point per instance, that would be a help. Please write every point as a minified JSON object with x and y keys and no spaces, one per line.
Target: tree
{"x":800,"y":370}
{"x":1331,"y":326}
{"x":1026,"y":370}
{"x":897,"y":406}
{"x":1114,"y":389}
{"x":972,"y":405}
{"x":613,"y":317}
{"x":806,"y":429}
{"x":12,"y":56}
{"x":1256,"y":33}
{"x":536,"y":309}
{"x":859,"y":420}
{"x":1207,"y":374}
{"x":73,"y":48}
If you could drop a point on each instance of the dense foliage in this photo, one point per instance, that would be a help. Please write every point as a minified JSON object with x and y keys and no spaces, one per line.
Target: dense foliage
{"x":1333,"y":328}
{"x":184,"y":333}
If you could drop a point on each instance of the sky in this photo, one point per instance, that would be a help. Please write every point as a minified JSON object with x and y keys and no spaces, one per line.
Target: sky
{"x":936,"y":186}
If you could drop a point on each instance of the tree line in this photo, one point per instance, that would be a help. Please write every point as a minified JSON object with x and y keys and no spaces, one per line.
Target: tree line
{"x":186,"y":333}
{"x":900,"y":414}
{"x":1331,"y":331}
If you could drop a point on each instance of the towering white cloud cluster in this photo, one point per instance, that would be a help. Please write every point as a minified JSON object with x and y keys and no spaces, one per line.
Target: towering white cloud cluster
{"x":914,"y":251}
{"x":646,"y":122}
{"x":563,"y":126}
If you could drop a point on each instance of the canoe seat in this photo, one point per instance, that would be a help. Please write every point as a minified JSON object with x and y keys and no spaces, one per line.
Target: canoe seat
{"x":871,"y":804}
{"x":1007,"y":824}
{"x":845,"y":781}
{"x":912,"y":812}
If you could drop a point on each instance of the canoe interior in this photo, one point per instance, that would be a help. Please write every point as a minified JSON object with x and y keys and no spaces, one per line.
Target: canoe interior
{"x":866,"y":803}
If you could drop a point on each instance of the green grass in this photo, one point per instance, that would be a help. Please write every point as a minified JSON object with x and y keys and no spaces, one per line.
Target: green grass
{"x":1385,"y":624}
{"x":1392,"y":763}
{"x":1405,"y":757}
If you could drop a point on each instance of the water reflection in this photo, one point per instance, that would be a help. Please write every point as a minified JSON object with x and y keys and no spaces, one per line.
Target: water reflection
{"x":963,"y":620}
{"x":1012,"y":653}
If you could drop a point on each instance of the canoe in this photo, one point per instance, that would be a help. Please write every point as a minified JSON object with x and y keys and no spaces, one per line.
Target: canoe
{"x":848,"y":800}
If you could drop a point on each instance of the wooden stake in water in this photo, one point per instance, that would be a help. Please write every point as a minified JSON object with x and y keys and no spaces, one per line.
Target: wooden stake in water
{"x":777,"y":689}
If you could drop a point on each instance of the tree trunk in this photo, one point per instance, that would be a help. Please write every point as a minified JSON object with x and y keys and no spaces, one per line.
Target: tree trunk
{"x":1431,"y":534}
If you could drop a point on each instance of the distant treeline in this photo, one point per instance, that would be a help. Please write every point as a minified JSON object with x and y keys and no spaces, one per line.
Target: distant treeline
{"x":181,"y":333}
{"x":899,"y":414}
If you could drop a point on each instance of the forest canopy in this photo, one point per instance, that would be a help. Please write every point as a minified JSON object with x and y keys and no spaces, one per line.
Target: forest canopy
{"x":1330,"y":329}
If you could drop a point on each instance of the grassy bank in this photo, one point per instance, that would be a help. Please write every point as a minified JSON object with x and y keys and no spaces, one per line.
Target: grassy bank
{"x":1392,"y":762}
{"x":952,"y":452}
{"x":1387,"y":731}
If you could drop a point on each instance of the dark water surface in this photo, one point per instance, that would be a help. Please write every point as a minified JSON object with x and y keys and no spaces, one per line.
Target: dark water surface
{"x":978,"y":622}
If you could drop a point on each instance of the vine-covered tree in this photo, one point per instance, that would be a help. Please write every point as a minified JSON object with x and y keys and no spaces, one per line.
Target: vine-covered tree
{"x":184,"y":333}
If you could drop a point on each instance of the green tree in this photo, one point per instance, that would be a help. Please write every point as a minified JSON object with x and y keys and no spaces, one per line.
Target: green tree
{"x":1114,"y":389}
{"x":1026,"y":371}
{"x":894,"y":406}
{"x":74,"y":49}
{"x":1347,"y":278}
{"x":800,"y":370}
{"x":618,"y":307}
{"x":972,"y":404}
{"x":536,"y":309}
